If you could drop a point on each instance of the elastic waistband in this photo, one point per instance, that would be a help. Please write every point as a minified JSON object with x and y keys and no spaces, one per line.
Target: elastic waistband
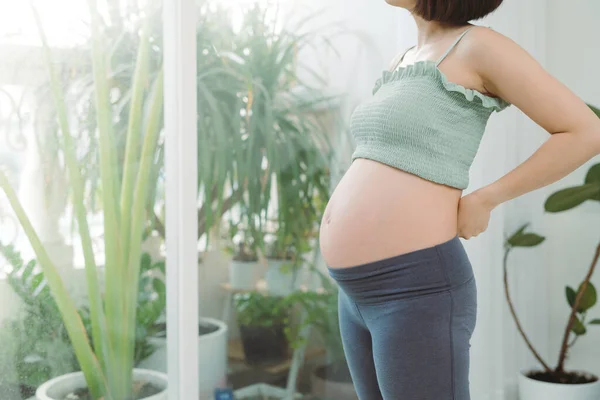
{"x":425,"y":271}
{"x":419,"y":255}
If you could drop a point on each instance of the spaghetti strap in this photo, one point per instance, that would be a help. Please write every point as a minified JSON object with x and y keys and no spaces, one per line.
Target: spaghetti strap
{"x":453,"y":46}
{"x":402,"y":58}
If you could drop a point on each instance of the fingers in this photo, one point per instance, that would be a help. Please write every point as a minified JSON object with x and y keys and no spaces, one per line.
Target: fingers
{"x":465,"y":234}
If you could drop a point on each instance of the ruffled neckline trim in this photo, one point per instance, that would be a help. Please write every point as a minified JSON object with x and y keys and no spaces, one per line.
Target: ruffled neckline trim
{"x":429,"y":68}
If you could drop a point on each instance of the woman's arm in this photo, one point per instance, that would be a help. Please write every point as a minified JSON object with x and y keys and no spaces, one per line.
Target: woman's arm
{"x":511,"y":73}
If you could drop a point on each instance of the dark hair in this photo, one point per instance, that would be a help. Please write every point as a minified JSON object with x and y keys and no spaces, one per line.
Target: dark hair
{"x":455,"y":12}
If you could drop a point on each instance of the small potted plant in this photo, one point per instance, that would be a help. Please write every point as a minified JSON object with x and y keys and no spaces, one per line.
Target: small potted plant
{"x":262,"y":320}
{"x":556,"y":383}
{"x":284,"y":263}
{"x":300,"y":208}
{"x":243,"y":267}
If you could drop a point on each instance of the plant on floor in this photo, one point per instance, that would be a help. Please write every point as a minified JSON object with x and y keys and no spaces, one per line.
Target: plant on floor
{"x":107,"y":357}
{"x":41,"y":346}
{"x":580,"y":301}
{"x":263,"y":320}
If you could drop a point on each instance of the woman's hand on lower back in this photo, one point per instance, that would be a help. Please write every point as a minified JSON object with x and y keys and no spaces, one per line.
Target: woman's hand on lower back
{"x":473,"y":215}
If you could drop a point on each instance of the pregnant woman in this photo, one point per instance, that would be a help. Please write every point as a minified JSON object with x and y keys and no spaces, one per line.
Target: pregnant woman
{"x":391,"y":231}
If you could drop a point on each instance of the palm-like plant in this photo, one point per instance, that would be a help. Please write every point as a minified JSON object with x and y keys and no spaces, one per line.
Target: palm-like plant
{"x":106,"y":358}
{"x":282,"y":136}
{"x":257,"y":119}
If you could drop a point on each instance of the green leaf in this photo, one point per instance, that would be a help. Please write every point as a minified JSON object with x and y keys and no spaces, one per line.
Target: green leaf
{"x":521,"y":229}
{"x":526,"y":240}
{"x":588,"y":300}
{"x":572,"y":197}
{"x":578,"y":327}
{"x":570,"y":292}
{"x":77,"y":334}
{"x":595,"y":110}
{"x":593,"y":176}
{"x":517,"y":233}
{"x":594,"y":322}
{"x":28,"y":270}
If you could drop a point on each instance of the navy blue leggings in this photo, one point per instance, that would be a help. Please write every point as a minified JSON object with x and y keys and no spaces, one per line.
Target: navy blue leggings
{"x":406,"y":322}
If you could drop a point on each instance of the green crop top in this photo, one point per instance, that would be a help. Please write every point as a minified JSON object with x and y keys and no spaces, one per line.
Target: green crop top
{"x":421,"y":123}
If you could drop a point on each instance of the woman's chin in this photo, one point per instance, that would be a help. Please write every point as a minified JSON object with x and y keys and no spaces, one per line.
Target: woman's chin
{"x":401,"y":3}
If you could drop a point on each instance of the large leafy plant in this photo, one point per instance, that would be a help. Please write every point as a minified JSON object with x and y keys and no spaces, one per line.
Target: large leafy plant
{"x":286,"y":145}
{"x":41,"y":346}
{"x":259,"y":122}
{"x":580,"y":301}
{"x":107,"y":358}
{"x":259,"y":119}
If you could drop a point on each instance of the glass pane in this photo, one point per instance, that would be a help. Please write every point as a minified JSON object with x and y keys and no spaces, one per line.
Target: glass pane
{"x":266,"y":137}
{"x":82,"y":265}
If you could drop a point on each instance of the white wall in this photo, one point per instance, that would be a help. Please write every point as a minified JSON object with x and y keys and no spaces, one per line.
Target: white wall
{"x":573,"y":57}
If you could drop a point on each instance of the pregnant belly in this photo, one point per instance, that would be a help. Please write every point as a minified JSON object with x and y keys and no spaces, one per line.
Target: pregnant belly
{"x":377,"y":211}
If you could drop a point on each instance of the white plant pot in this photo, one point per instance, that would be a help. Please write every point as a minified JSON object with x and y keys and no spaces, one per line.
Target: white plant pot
{"x":58,"y":388}
{"x":243,"y":274}
{"x":212,"y":358}
{"x":530,"y":389}
{"x":280,"y":283}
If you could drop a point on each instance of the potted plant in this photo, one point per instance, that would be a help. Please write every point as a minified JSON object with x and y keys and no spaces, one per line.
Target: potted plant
{"x":212,"y":343}
{"x":262,"y":320}
{"x":37,"y":339}
{"x":297,"y":227}
{"x":244,"y":266}
{"x":332,"y":379}
{"x":554,"y":383}
{"x":212,"y":353}
{"x":106,"y":358}
{"x":283,"y":265}
{"x":42,"y":349}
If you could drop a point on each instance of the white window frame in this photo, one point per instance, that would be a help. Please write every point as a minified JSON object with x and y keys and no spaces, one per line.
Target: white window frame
{"x":179,"y":25}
